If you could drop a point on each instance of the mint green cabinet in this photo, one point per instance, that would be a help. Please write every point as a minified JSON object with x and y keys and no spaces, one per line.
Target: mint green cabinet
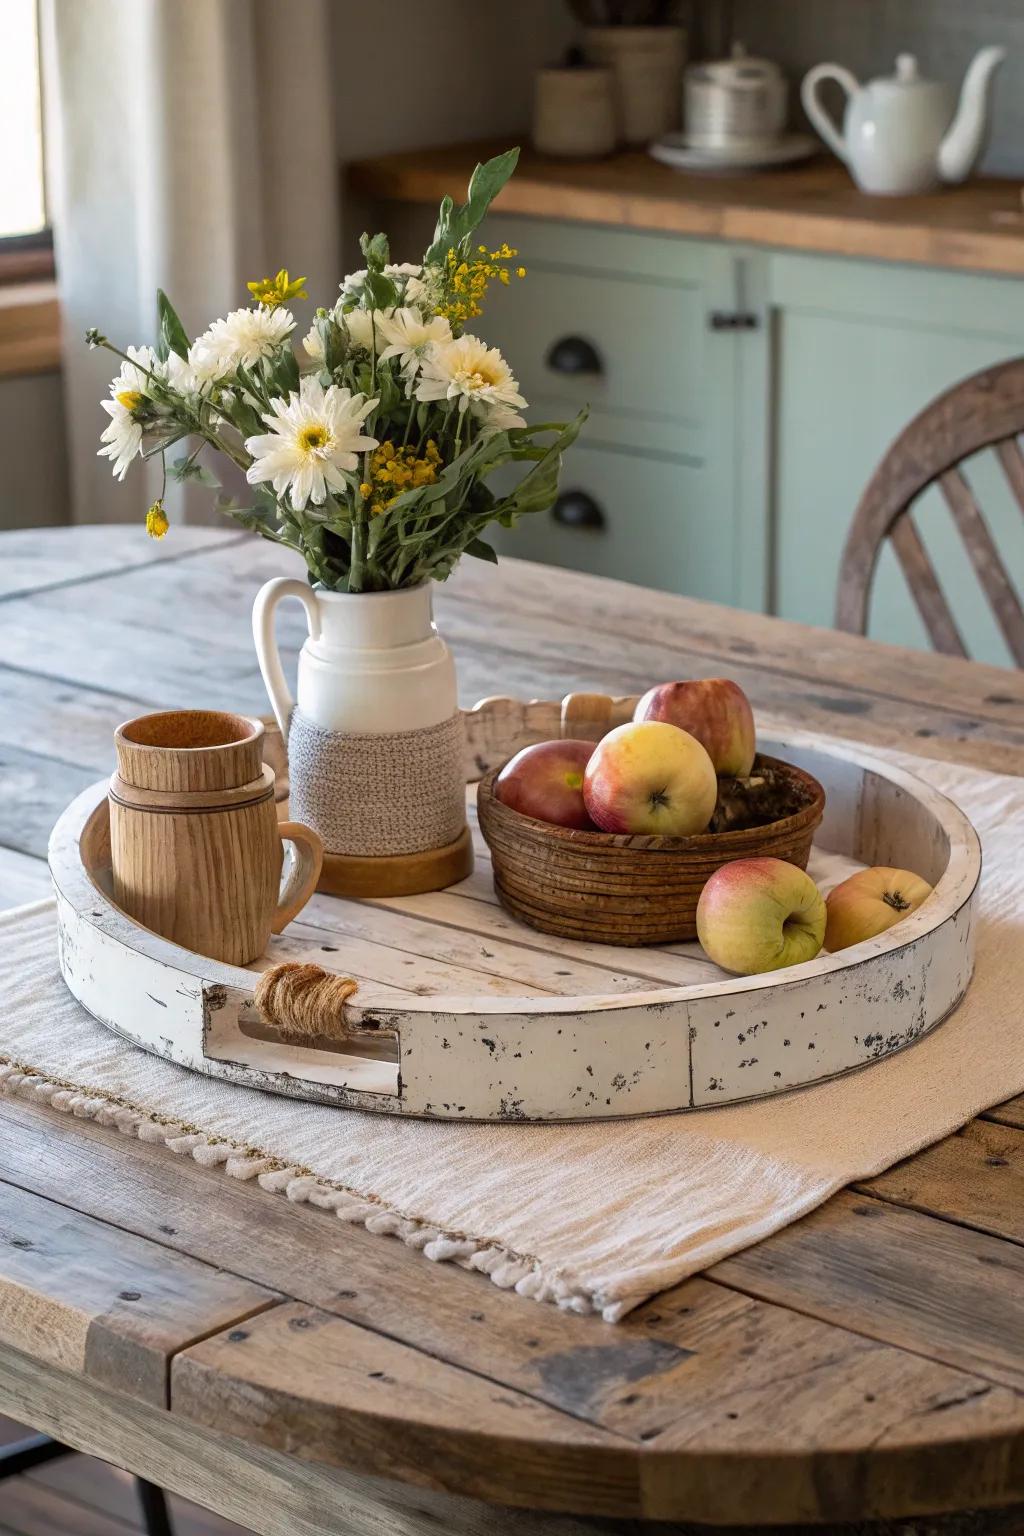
{"x":726,"y":463}
{"x":858,"y":349}
{"x":619,"y":322}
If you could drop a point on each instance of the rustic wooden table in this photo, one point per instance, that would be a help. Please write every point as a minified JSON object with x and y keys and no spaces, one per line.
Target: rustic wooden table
{"x":302,"y":1376}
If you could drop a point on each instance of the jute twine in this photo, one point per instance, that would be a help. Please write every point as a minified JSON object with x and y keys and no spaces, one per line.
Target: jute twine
{"x":378,"y":795}
{"x":304,"y":1002}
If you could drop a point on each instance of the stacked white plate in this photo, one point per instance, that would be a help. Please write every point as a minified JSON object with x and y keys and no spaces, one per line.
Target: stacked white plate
{"x":677,"y":151}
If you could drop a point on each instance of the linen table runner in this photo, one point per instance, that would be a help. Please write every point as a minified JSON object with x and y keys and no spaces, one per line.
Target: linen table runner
{"x":593,"y":1217}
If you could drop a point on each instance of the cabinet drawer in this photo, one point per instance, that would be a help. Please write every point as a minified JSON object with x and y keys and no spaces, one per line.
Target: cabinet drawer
{"x":639,"y":520}
{"x":630,"y":346}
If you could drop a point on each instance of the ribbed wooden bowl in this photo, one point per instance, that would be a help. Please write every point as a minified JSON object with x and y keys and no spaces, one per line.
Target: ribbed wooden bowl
{"x":617,"y":888}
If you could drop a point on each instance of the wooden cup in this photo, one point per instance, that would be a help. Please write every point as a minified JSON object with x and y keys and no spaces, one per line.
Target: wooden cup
{"x":196,"y":846}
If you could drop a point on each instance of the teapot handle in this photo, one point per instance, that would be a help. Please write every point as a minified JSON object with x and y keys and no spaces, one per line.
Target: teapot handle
{"x":267,"y":599}
{"x":816,"y":112}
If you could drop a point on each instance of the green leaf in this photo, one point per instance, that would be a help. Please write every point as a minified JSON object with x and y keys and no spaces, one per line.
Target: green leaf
{"x":379,"y":291}
{"x":171,"y":335}
{"x":455,"y":225}
{"x":376,"y":250}
{"x":481,"y":550}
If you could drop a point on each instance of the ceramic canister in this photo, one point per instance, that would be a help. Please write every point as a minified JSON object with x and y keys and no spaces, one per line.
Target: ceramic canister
{"x":574,"y":113}
{"x":375,"y":741}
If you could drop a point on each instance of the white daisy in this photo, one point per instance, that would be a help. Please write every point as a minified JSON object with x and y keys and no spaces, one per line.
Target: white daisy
{"x":128,"y":408}
{"x":313,"y":436}
{"x":366,"y":327}
{"x":401,"y":273}
{"x":206,"y":364}
{"x":123,"y":438}
{"x":408,"y":335}
{"x":475,"y":375}
{"x":425,"y":288}
{"x":243,"y":337}
{"x":313,"y":345}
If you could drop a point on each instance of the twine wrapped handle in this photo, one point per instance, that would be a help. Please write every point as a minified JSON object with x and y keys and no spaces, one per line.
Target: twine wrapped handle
{"x":304,"y":1003}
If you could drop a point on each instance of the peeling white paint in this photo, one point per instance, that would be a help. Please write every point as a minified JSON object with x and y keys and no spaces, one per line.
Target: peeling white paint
{"x":563,"y":1058}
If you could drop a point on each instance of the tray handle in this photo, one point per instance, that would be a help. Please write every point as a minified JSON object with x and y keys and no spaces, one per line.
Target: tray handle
{"x":589,"y":716}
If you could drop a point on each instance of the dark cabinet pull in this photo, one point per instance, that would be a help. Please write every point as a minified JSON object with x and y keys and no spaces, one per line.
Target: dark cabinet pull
{"x":575,"y":509}
{"x":726,"y":320}
{"x":573,"y":354}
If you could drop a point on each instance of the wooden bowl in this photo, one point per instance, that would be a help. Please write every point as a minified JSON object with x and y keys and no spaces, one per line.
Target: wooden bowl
{"x":623,"y":888}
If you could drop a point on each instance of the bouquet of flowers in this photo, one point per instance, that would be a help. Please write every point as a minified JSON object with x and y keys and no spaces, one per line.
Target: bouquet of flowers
{"x":370,"y":455}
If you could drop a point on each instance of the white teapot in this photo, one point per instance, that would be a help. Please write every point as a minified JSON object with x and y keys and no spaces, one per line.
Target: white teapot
{"x":902,"y":133}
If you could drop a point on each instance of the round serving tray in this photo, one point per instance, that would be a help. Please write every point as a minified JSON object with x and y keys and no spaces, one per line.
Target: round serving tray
{"x":607,"y":1054}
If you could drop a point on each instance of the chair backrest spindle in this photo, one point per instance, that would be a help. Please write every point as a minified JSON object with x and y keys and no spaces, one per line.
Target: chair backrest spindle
{"x":984,"y":411}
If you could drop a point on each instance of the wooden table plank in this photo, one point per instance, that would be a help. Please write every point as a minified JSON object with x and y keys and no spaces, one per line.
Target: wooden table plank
{"x":22,"y":878}
{"x":1010,"y":1113}
{"x":32,"y":786}
{"x":257,"y":1487}
{"x":527,"y":595}
{"x":311,"y":1395}
{"x":32,"y":564}
{"x":62,"y":719}
{"x":897,"y":1276}
{"x":107,"y":1305}
{"x":956,"y":1447}
{"x":698,"y":1340}
{"x":307,"y":1382}
{"x":975,"y":1177}
{"x":561,"y":623}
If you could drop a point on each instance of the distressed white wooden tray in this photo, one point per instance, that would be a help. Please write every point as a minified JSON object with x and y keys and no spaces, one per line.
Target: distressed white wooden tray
{"x":462,"y":1013}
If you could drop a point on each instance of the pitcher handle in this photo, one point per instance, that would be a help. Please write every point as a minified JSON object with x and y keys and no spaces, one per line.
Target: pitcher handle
{"x":267,"y":599}
{"x":304,"y":874}
{"x":816,"y":112}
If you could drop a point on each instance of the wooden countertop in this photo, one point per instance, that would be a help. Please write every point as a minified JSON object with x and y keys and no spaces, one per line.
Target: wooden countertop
{"x":813,"y":207}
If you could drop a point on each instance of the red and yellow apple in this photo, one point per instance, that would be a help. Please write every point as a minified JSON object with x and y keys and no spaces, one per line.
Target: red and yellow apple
{"x":648,"y":776}
{"x":546,"y":781}
{"x":869,"y":902}
{"x":713,"y":709}
{"x":759,"y":915}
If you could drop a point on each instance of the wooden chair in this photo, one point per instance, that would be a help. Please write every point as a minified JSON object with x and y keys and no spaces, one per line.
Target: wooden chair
{"x":984,"y":411}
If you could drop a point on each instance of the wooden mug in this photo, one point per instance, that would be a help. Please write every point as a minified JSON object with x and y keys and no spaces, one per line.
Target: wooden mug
{"x":196,"y":846}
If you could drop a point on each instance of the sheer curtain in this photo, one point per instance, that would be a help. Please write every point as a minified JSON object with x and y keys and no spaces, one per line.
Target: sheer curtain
{"x":190,"y":147}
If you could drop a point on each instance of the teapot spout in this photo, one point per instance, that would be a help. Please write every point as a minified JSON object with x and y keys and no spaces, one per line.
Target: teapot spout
{"x":961,"y":149}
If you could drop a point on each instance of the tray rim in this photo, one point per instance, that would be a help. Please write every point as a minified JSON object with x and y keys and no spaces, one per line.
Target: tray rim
{"x":954,"y":889}
{"x":659,"y":1050}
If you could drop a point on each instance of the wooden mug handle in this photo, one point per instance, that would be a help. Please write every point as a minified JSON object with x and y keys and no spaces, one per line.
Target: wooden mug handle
{"x":301,"y":883}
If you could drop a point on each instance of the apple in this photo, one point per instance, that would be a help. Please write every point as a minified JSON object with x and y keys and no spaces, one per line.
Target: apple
{"x":647,"y":776}
{"x":546,"y":781}
{"x":759,"y":915}
{"x":869,"y":902}
{"x":714,"y":710}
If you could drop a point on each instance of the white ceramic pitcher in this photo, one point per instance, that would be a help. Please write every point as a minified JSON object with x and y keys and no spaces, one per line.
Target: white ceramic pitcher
{"x":372,"y":662}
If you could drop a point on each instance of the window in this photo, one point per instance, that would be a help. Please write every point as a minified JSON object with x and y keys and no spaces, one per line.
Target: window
{"x":22,"y":187}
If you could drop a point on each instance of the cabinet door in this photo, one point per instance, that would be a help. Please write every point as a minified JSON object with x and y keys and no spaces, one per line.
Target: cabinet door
{"x":859,"y":349}
{"x":621,"y":515}
{"x":619,"y":321}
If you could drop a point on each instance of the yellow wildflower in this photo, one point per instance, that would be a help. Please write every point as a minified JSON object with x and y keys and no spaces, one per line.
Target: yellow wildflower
{"x":466,"y":282}
{"x":157,"y":521}
{"x":272,"y":291}
{"x":394,"y":470}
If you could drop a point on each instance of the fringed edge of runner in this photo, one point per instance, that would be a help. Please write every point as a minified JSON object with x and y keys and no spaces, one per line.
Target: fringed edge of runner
{"x":505,"y":1268}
